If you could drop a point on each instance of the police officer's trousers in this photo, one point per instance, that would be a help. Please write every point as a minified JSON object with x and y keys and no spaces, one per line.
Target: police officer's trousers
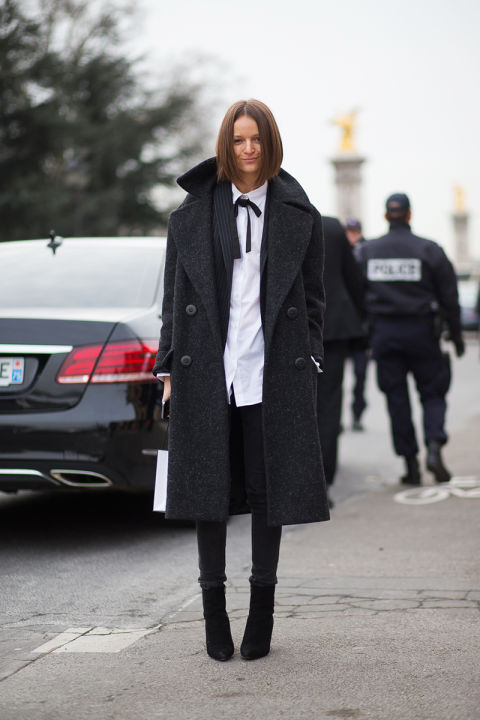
{"x":403,"y":345}
{"x":360,"y":364}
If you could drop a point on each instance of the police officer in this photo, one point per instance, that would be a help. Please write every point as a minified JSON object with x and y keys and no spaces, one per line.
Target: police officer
{"x":411,"y":291}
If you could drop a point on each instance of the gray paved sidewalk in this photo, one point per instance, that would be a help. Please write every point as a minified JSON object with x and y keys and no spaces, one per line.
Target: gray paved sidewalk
{"x":377,"y":617}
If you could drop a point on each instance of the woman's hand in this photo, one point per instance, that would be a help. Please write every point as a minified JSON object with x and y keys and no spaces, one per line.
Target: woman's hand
{"x":167,"y":389}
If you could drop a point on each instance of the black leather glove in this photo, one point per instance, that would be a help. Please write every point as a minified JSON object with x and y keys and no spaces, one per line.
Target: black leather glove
{"x":459,"y":346}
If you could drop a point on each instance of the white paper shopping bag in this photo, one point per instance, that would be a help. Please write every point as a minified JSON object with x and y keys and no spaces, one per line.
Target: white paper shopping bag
{"x":160,"y":496}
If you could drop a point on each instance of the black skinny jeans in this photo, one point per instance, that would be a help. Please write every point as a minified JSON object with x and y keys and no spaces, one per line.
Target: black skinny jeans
{"x":212,"y":536}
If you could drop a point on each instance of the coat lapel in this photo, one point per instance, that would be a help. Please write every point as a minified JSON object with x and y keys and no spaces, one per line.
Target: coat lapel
{"x":289,"y":233}
{"x":192,"y":229}
{"x":225,"y":227}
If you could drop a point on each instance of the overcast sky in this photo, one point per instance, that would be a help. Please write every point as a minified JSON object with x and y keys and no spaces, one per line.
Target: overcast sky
{"x":411,"y":68}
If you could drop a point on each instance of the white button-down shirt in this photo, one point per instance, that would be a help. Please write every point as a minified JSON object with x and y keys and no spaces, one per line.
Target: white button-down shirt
{"x":243,"y":357}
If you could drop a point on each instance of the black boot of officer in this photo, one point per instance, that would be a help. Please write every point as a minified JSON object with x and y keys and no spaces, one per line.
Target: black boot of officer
{"x":434,"y":462}
{"x":412,"y":476}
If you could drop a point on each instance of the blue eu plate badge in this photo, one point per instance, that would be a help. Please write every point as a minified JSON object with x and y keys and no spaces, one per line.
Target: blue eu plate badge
{"x":17,"y":370}
{"x":11,"y":371}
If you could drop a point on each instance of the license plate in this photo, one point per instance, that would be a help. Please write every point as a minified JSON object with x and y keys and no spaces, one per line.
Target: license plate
{"x":11,"y":371}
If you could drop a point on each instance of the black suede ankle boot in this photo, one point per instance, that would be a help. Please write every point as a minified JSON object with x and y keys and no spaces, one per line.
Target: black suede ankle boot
{"x":217,"y":624}
{"x":258,"y":631}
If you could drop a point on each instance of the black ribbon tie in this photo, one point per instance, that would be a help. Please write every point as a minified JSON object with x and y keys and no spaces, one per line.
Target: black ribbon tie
{"x":246,"y":203}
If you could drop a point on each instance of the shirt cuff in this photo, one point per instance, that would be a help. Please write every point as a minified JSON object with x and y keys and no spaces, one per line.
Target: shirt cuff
{"x":162,"y":375}
{"x":319,"y":369}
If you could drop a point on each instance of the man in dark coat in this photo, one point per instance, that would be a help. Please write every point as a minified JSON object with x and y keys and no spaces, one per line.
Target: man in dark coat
{"x":358,"y":347}
{"x":343,"y":322}
{"x":411,"y":290}
{"x":202,"y":478}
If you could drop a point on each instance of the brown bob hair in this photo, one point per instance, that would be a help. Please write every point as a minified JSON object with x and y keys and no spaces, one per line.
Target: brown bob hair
{"x":272,"y":148}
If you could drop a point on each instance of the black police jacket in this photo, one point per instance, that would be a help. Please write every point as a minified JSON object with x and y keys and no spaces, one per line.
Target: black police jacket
{"x":409,"y":275}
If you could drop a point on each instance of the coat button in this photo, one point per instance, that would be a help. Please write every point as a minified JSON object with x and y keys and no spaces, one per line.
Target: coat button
{"x":185,"y":360}
{"x":292,"y":312}
{"x":300,"y":363}
{"x":191,"y":310}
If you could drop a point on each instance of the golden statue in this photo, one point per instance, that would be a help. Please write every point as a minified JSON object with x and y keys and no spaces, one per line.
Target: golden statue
{"x":459,"y":200}
{"x":347,"y":123}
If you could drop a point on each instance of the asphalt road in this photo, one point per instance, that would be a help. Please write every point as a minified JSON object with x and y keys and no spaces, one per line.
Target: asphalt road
{"x":99,"y":560}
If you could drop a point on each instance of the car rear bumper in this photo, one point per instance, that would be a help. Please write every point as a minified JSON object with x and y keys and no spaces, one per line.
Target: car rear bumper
{"x":106,"y":441}
{"x":40,"y":476}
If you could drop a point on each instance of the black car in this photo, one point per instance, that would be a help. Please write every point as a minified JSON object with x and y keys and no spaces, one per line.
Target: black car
{"x":79,"y":327}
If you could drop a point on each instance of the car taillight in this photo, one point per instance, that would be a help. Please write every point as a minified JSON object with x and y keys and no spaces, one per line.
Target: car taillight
{"x":128,"y":361}
{"x":78,"y":365}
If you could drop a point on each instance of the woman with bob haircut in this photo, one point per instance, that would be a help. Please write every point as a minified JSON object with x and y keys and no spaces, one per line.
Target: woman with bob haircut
{"x":240,"y":349}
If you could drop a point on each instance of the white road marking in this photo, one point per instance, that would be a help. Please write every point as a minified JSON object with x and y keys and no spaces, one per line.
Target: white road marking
{"x":466,"y":487}
{"x":185,"y":605}
{"x":421,"y":496}
{"x":94,"y":640}
{"x":64,"y":637}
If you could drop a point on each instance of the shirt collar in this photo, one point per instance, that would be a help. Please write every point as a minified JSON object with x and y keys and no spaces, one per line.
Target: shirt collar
{"x":257,"y":196}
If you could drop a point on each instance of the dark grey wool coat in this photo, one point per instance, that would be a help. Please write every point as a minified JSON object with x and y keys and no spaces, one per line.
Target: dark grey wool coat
{"x":205,"y":473}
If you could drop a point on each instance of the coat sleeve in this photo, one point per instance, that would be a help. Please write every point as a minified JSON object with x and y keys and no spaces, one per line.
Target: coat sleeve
{"x":165,"y":348}
{"x":312,"y":271}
